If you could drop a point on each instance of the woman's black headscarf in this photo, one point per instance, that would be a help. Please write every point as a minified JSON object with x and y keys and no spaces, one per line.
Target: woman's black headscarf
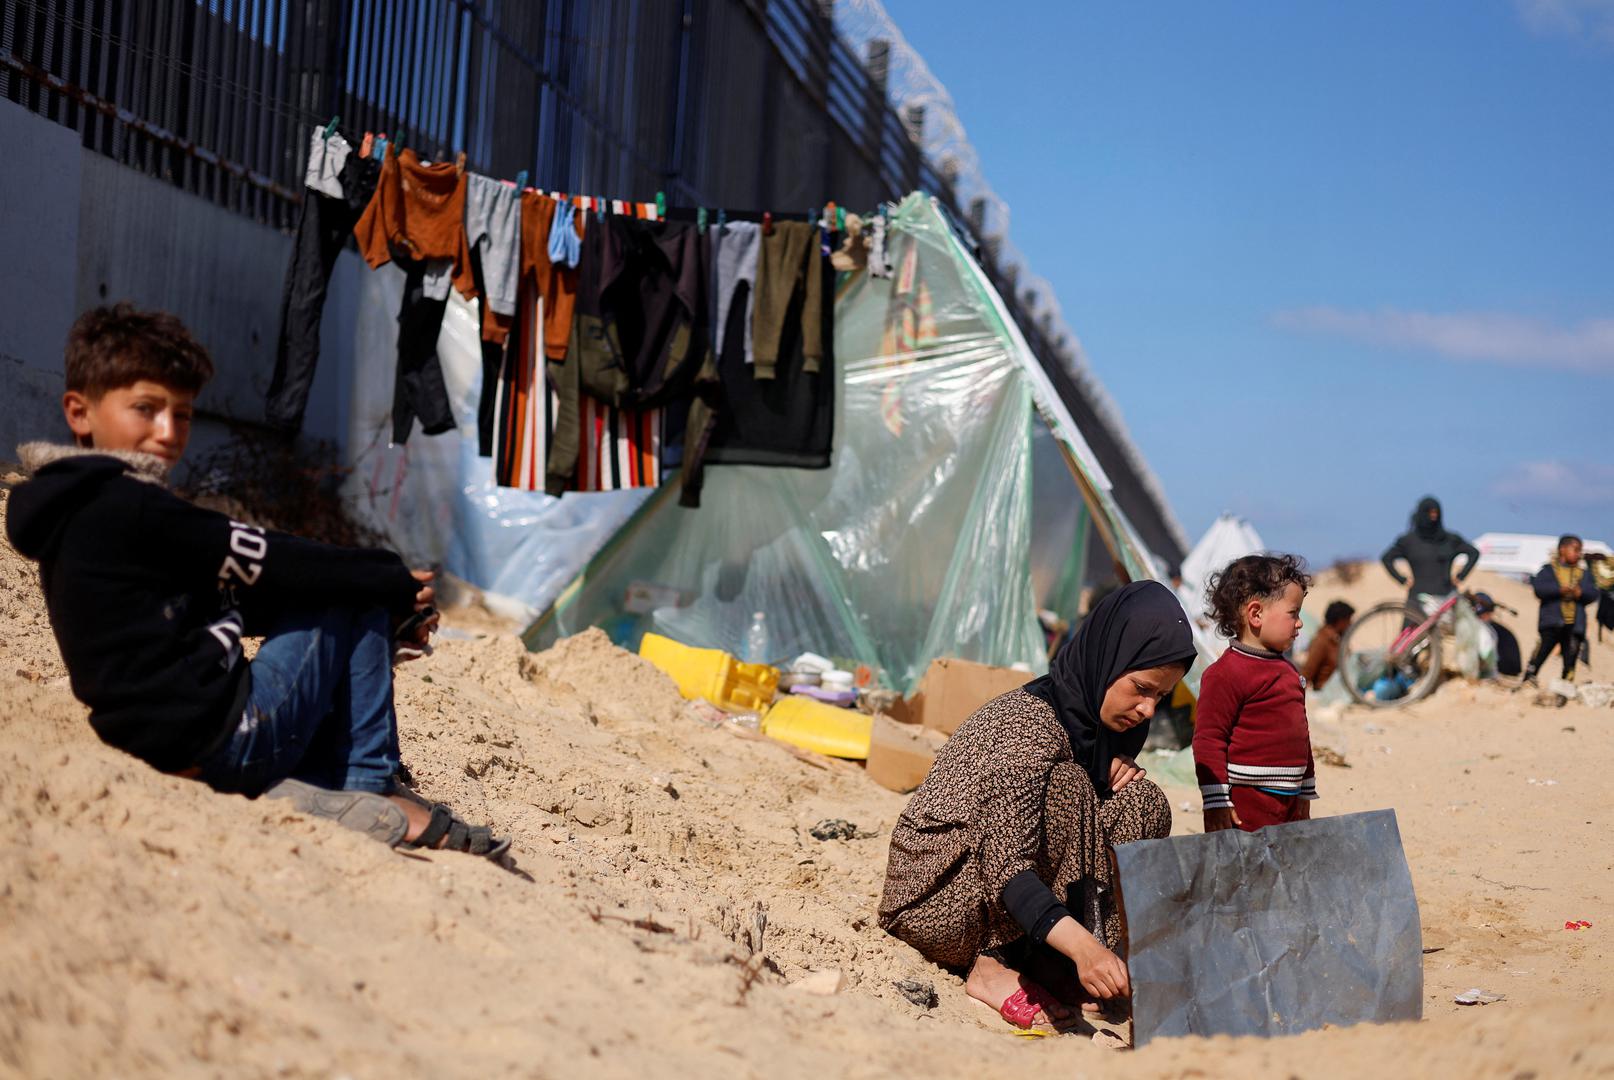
{"x":1141,"y":625}
{"x":1427,"y":527}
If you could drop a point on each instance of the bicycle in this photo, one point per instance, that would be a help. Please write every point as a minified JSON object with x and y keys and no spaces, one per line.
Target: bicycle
{"x":1390,"y":656}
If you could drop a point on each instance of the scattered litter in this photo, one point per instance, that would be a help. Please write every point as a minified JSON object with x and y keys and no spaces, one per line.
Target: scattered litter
{"x":1597,"y":695}
{"x":838,"y":829}
{"x":1549,"y":700}
{"x":918,"y":991}
{"x":1374,"y":729}
{"x":1542,"y":783}
{"x":1384,"y":749}
{"x":1564,"y":689}
{"x":1186,"y":805}
{"x":1577,"y":924}
{"x":1327,"y":755}
{"x":826,"y":983}
{"x":1108,"y":1039}
{"x":1476,"y":996}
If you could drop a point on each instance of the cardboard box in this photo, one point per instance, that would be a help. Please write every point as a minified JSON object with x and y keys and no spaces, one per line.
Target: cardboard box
{"x":953,"y":689}
{"x":901,"y":754}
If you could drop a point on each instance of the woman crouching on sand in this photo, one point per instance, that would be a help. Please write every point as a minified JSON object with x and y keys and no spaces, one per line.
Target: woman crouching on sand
{"x":1000,"y":865}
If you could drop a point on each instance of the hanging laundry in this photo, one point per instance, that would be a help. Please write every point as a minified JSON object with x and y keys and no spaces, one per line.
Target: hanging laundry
{"x":734,"y":249}
{"x":552,"y":288}
{"x":638,"y":334}
{"x":621,"y":448}
{"x":493,"y":232}
{"x":418,"y":391}
{"x":324,"y":223}
{"x":788,"y":420}
{"x":525,"y":420}
{"x":417,"y":218}
{"x":557,"y":284}
{"x":565,"y":235}
{"x":788,"y":268}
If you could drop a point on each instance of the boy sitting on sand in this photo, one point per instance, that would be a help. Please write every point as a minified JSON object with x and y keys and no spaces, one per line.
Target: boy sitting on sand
{"x":1252,"y":746}
{"x":150,"y":596}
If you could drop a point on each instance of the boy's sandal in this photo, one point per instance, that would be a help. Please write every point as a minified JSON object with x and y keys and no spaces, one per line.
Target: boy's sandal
{"x":446,"y":831}
{"x":363,"y":811}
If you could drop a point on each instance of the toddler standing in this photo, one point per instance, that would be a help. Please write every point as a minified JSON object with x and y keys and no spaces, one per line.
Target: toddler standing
{"x":1252,"y":747}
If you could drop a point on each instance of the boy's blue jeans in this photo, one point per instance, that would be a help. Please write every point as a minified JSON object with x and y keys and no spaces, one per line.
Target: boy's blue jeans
{"x":319,"y":709}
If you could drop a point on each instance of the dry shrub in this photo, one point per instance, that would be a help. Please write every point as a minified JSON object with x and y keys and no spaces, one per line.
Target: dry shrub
{"x":1349,"y":571}
{"x":264,"y":479}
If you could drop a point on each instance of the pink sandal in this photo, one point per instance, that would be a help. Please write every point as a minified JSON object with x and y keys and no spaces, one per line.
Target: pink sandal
{"x":1021,"y":1007}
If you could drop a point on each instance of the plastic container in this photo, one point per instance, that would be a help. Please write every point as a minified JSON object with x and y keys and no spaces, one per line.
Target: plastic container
{"x":837,"y":680}
{"x":712,"y":674}
{"x":824,"y":729}
{"x":756,"y":639}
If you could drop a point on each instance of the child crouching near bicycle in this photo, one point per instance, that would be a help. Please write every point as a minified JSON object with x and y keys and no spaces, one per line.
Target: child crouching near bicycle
{"x":1252,"y":746}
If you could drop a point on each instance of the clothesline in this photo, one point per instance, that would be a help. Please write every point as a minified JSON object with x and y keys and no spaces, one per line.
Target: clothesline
{"x":620,"y":338}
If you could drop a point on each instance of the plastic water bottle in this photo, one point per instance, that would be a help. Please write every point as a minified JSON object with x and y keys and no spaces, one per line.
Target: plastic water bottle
{"x":756,"y":639}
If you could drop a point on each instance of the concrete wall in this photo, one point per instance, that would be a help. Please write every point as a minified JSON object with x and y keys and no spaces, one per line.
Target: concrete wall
{"x":39,"y":212}
{"x":86,"y":230}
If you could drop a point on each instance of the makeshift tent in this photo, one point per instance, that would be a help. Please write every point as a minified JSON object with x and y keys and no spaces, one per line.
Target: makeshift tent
{"x":1228,"y":538}
{"x":957,"y":504}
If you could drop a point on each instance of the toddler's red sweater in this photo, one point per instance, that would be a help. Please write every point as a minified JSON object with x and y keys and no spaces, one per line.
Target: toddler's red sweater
{"x":1250,"y":728}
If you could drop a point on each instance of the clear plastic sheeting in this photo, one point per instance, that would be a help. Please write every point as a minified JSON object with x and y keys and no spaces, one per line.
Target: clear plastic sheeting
{"x":434,"y":498}
{"x":939,"y":528}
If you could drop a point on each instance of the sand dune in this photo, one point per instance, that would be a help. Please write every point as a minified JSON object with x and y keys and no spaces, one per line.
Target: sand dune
{"x":152,"y":928}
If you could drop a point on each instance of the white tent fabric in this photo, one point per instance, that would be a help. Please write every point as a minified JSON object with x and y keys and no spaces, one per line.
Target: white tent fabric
{"x":1229,"y":537}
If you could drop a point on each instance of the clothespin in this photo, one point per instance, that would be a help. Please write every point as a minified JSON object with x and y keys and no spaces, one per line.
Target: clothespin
{"x":379,"y":150}
{"x":661,"y":205}
{"x":700,"y":219}
{"x":330,"y":129}
{"x":840,"y":219}
{"x":459,"y":163}
{"x":722,"y":217}
{"x":521,"y":180}
{"x":398,"y":140}
{"x":767,"y":223}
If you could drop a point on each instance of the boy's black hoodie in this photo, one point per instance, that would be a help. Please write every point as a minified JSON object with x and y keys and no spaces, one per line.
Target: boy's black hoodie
{"x":150,"y":595}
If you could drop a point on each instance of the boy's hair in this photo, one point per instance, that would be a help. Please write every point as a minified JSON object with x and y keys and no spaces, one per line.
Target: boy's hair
{"x":1569,"y":538}
{"x":1250,"y":578}
{"x":113,"y":347}
{"x":1338,"y":610}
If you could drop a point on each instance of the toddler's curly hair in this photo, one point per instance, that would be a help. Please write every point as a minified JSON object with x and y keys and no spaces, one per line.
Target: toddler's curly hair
{"x":1252,"y":577}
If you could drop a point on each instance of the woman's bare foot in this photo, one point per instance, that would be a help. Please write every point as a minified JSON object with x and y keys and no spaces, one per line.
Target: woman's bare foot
{"x":992,"y":982}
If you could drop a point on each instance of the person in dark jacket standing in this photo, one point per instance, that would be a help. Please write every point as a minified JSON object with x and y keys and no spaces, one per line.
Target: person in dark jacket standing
{"x":1429,"y":549}
{"x":1565,"y":590}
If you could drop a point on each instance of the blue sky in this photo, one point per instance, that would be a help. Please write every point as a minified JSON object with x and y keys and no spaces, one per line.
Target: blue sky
{"x":1327,"y":256}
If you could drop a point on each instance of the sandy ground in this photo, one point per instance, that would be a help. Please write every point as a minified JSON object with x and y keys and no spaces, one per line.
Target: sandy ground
{"x":671,"y":893}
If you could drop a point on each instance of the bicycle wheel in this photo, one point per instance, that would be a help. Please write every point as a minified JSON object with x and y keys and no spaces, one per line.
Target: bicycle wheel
{"x":1376,"y":678}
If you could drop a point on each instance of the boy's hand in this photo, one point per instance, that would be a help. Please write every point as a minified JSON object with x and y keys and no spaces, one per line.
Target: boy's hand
{"x":1124,"y":770}
{"x":423,"y":599}
{"x":1224,"y":818}
{"x":427,"y":594}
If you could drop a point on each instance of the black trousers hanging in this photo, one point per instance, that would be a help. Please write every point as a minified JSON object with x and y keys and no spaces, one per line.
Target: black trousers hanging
{"x":323,"y":228}
{"x":418,"y":391}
